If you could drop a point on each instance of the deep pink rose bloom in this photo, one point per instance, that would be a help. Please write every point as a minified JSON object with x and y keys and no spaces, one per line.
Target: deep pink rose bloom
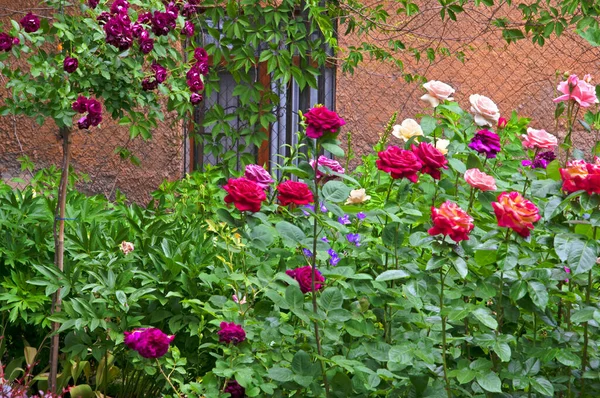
{"x":514,"y":211}
{"x":188,"y":29}
{"x":103,"y":18}
{"x":189,"y":10}
{"x":149,"y":83}
{"x":502,"y":122}
{"x":231,"y":333}
{"x":320,"y":120}
{"x":30,"y":23}
{"x":83,"y":123}
{"x":146,"y":45}
{"x":118,"y":31}
{"x":6,"y":42}
{"x":327,"y":163}
{"x":160,"y":72}
{"x":70,"y":64}
{"x":452,"y":221}
{"x":145,"y":17}
{"x":294,"y":192}
{"x":259,"y":175}
{"x":200,"y":55}
{"x":400,"y":163}
{"x":148,"y":342}
{"x":245,"y":194}
{"x":94,"y":118}
{"x":303,"y":275}
{"x":432,"y":159}
{"x":577,"y":90}
{"x":163,"y":23}
{"x":93,"y":106}
{"x":137,"y":29}
{"x":196,"y":98}
{"x":119,"y":6}
{"x":80,"y":105}
{"x":234,"y":389}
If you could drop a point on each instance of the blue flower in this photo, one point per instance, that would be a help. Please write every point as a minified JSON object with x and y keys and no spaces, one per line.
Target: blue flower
{"x":361,"y":216}
{"x":345,"y":219}
{"x":307,"y":252}
{"x":323,"y":208}
{"x":354,"y":238}
{"x":309,"y":207}
{"x":334,"y":259}
{"x":324,"y":239}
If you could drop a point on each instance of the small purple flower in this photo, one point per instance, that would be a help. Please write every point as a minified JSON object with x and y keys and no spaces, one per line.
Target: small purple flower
{"x":334,"y":258}
{"x":309,"y":207}
{"x":307,"y":252}
{"x":487,"y":142}
{"x":354,"y":238}
{"x":201,"y":55}
{"x":345,"y":219}
{"x":146,"y":45}
{"x":361,"y":216}
{"x":323,"y":208}
{"x":160,"y":72}
{"x":324,"y":239}
{"x":163,"y":23}
{"x":6,"y":42}
{"x":542,"y":159}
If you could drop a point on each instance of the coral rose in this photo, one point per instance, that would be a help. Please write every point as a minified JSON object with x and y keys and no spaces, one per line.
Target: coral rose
{"x":580,"y":91}
{"x":149,"y":342}
{"x":400,"y":163}
{"x":320,"y":120}
{"x":231,"y":333}
{"x":432,"y":159}
{"x":245,"y":194}
{"x":294,"y":192}
{"x":514,"y":211}
{"x":437,"y":92}
{"x":574,"y":176}
{"x":480,"y":180}
{"x":357,"y":196}
{"x":538,"y":139}
{"x":485,"y":112}
{"x":487,"y":142}
{"x":407,"y":129}
{"x":303,"y":275}
{"x":450,"y":220}
{"x":258,"y":174}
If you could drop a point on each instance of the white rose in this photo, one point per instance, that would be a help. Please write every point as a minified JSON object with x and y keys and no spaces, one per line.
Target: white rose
{"x":485,"y":112}
{"x":437,"y":92}
{"x":357,"y":196}
{"x":442,"y":145}
{"x":408,"y":129}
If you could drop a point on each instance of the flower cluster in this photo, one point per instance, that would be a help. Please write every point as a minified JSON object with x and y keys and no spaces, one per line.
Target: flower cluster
{"x":486,"y":142}
{"x":194,"y":76}
{"x":320,"y":120}
{"x":148,"y":342}
{"x":164,"y":22}
{"x":117,"y":25}
{"x":303,"y":275}
{"x":7,"y":42}
{"x":93,"y":109}
{"x":401,"y":163}
{"x":540,"y":161}
{"x":160,"y":75}
{"x":581,"y":176}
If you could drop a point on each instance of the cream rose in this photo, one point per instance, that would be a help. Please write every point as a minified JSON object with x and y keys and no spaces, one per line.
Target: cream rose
{"x":480,"y":180}
{"x":485,"y":112}
{"x":437,"y":92}
{"x":357,"y":196}
{"x":407,"y":129}
{"x":442,"y":145}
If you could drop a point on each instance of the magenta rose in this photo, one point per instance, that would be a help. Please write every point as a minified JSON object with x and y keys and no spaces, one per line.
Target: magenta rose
{"x":148,"y":342}
{"x":234,"y":389}
{"x":119,"y":6}
{"x":400,"y":163}
{"x":327,"y":164}
{"x":163,"y":23}
{"x":70,"y":64}
{"x":80,"y":105}
{"x":200,"y":55}
{"x":93,"y":3}
{"x":303,"y":275}
{"x":30,"y":23}
{"x":6,"y":42}
{"x":196,"y":98}
{"x":245,"y":194}
{"x":160,"y":72}
{"x":320,"y":120}
{"x":432,"y":159}
{"x":188,"y":29}
{"x":231,"y":333}
{"x":294,"y":192}
{"x":259,"y":175}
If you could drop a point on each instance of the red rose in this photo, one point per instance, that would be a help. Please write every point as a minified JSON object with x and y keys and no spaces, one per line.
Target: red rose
{"x":303,"y":275}
{"x":451,"y":220}
{"x":514,"y":211}
{"x":294,"y":192}
{"x":246,"y":195}
{"x":320,"y":120}
{"x":400,"y":163}
{"x":433,"y":160}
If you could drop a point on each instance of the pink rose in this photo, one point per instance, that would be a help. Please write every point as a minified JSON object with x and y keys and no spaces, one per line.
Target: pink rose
{"x":485,"y":112}
{"x":480,"y":180}
{"x":259,"y":175}
{"x":327,"y":163}
{"x":437,"y":92}
{"x":577,"y":90}
{"x":538,"y":139}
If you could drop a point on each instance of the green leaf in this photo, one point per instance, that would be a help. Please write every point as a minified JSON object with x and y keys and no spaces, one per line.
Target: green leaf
{"x":538,"y":293}
{"x":518,"y":290}
{"x":280,"y":374}
{"x":294,"y":297}
{"x":428,"y":124}
{"x":568,"y":358}
{"x":336,"y":191}
{"x":465,"y":375}
{"x":331,"y":299}
{"x":503,"y":351}
{"x":334,"y":149}
{"x":291,"y":234}
{"x":484,"y":316}
{"x":582,"y":256}
{"x":392,"y":275}
{"x":457,"y":165}
{"x":583,"y":315}
{"x":490,"y":382}
{"x":461,"y":267}
{"x":301,"y":364}
{"x":82,"y":391}
{"x":543,"y":386}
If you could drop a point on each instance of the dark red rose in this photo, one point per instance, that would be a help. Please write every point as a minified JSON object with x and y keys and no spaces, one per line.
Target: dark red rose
{"x":118,"y":31}
{"x":433,"y":160}
{"x":162,"y":23}
{"x":136,"y":30}
{"x":200,"y":55}
{"x":188,"y":29}
{"x":246,"y":195}
{"x":119,"y":6}
{"x":94,"y":107}
{"x":70,"y":64}
{"x":160,"y":72}
{"x":189,"y":10}
{"x":146,"y":46}
{"x":320,"y":120}
{"x":400,"y":163}
{"x":294,"y":192}
{"x":303,"y":275}
{"x":30,"y":23}
{"x":196,"y":98}
{"x":103,"y":18}
{"x":6,"y":42}
{"x":145,"y":17}
{"x":231,"y":333}
{"x":202,"y":68}
{"x":149,"y":83}
{"x":93,"y":3}
{"x":234,"y":389}
{"x":80,"y":105}
{"x":94,"y":118}
{"x":83,"y":123}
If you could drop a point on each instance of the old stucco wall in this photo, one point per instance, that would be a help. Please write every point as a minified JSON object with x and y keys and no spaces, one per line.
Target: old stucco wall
{"x":93,"y":152}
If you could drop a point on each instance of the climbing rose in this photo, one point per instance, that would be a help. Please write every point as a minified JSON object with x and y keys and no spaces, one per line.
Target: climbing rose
{"x":149,"y":84}
{"x":196,"y":98}
{"x":400,"y":163}
{"x":294,"y":192}
{"x":485,"y":112}
{"x":80,"y":105}
{"x":200,"y":55}
{"x":234,"y":389}
{"x":146,"y":45}
{"x":259,"y":175}
{"x":30,"y":23}
{"x":6,"y":42}
{"x":480,"y":180}
{"x":103,"y":18}
{"x":577,"y":90}
{"x":118,"y":31}
{"x":327,"y":163}
{"x":515,"y":212}
{"x":303,"y":275}
{"x":540,"y":139}
{"x":160,"y":72}
{"x":432,"y":159}
{"x":163,"y":23}
{"x":245,"y":194}
{"x":487,"y":142}
{"x":320,"y":120}
{"x":70,"y":64}
{"x":93,"y":3}
{"x":437,"y":92}
{"x":231,"y":333}
{"x":451,"y":220}
{"x":119,"y":6}
{"x":148,"y":342}
{"x":188,"y":29}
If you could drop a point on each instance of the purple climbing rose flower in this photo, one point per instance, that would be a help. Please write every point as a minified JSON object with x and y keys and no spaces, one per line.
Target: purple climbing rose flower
{"x":70,"y":64}
{"x":30,"y":23}
{"x":486,"y":142}
{"x":540,"y":161}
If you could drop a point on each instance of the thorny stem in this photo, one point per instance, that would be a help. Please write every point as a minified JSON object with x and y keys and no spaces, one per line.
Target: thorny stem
{"x":444,"y":364}
{"x":314,"y":271}
{"x":584,"y":358}
{"x":167,"y":378}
